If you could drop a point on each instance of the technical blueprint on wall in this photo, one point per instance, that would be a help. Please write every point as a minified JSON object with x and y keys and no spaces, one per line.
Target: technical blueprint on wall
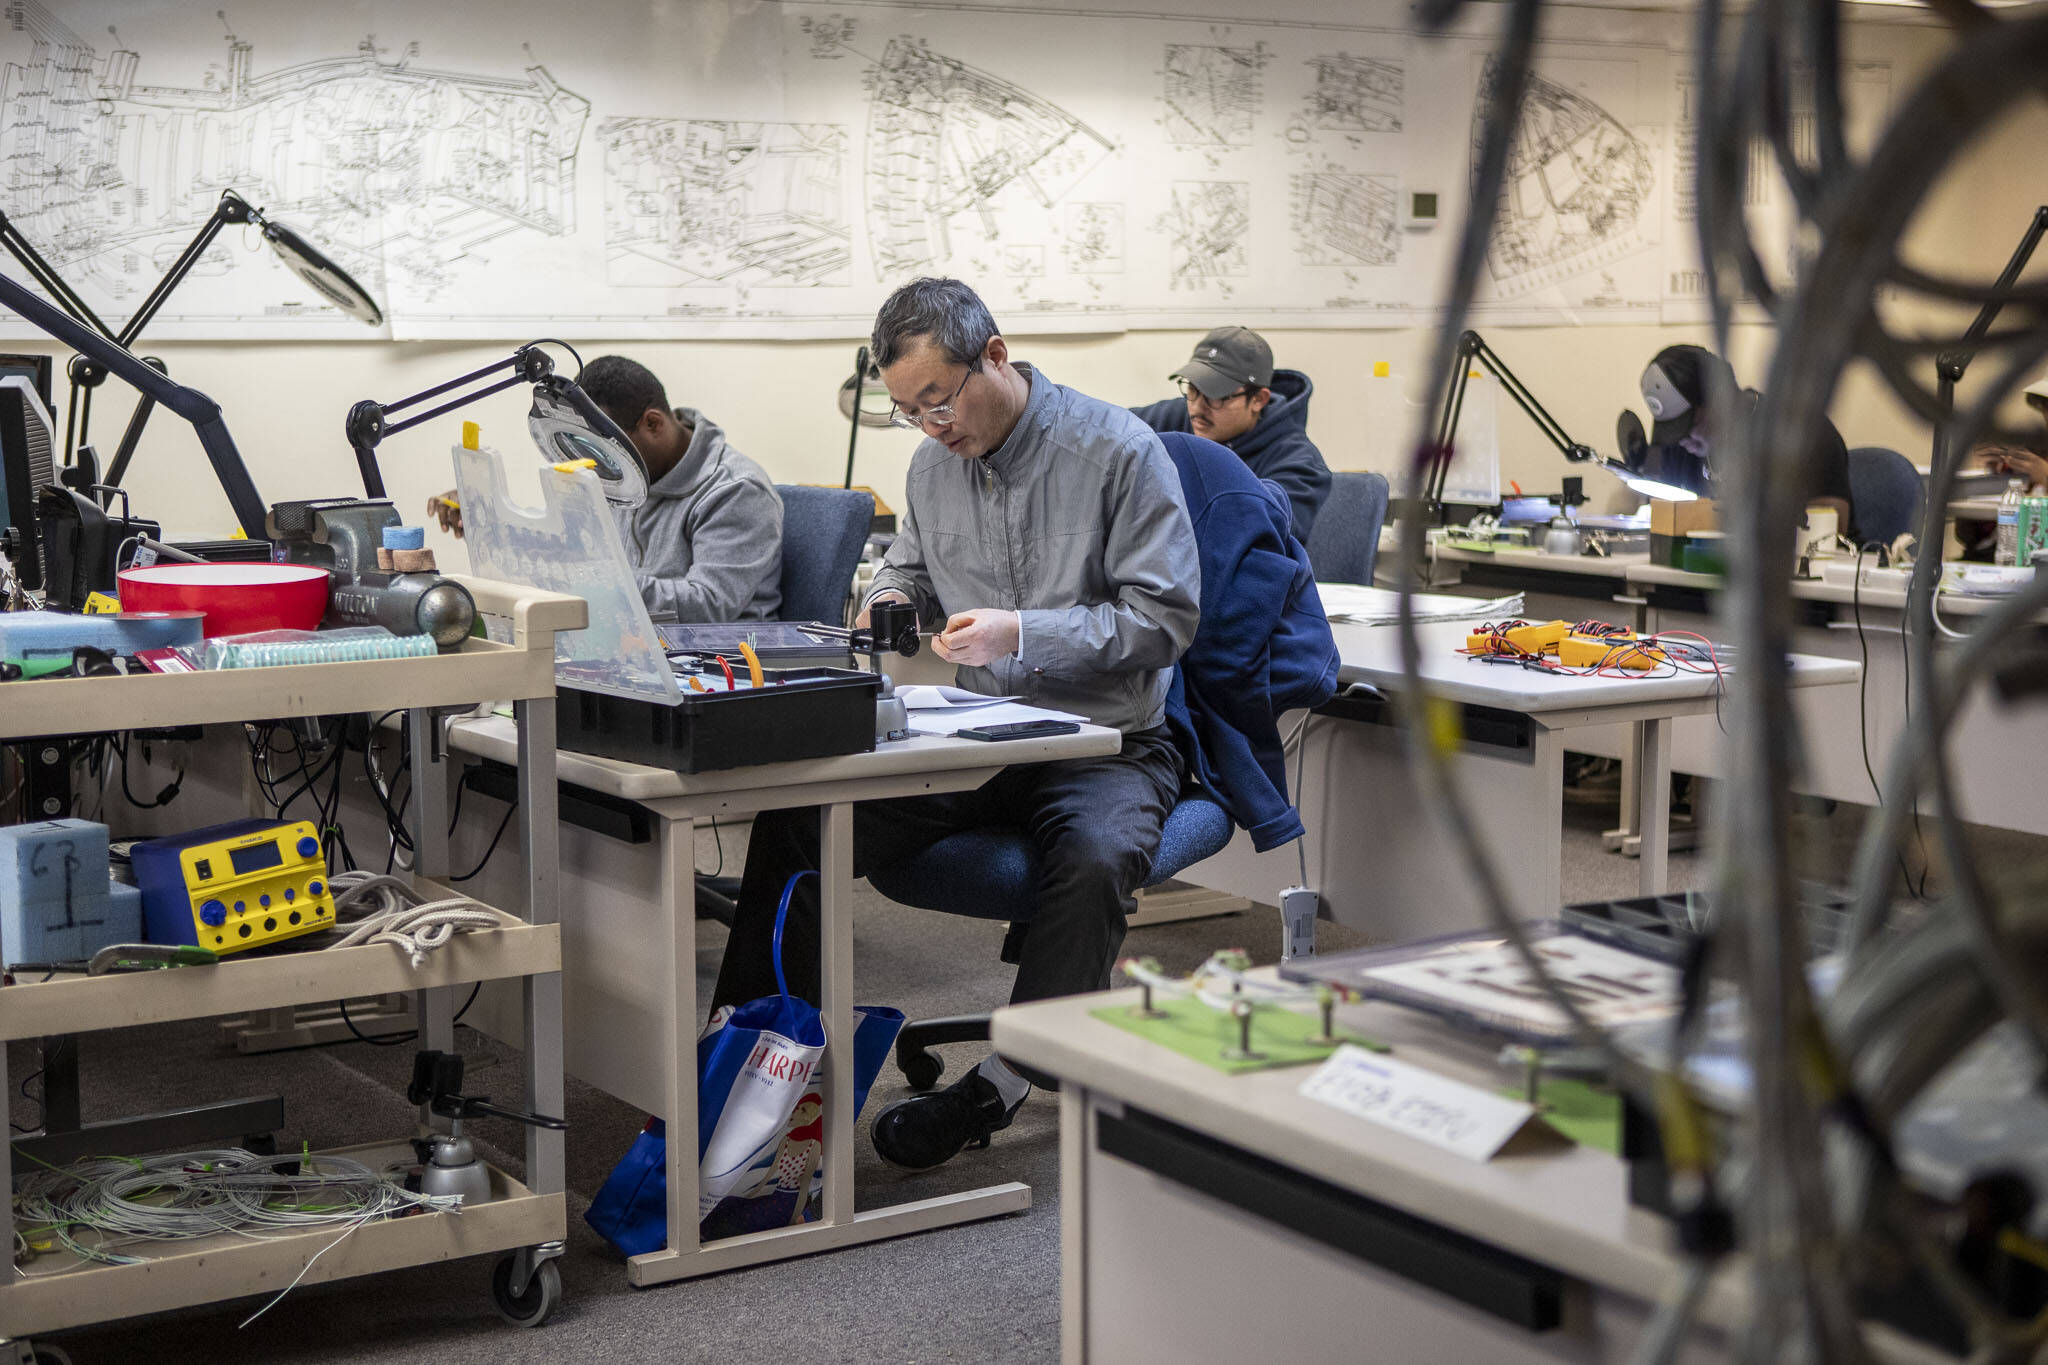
{"x":1580,"y":216}
{"x":774,"y":168}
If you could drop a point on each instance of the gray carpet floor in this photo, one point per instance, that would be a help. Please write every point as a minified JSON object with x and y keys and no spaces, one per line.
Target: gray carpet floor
{"x":984,"y":1292}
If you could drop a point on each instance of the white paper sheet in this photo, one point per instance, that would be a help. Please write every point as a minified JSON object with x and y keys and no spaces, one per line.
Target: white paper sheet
{"x":945,"y":698}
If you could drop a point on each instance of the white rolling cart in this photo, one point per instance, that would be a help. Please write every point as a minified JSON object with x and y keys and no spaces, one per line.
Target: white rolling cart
{"x":526,"y":1219}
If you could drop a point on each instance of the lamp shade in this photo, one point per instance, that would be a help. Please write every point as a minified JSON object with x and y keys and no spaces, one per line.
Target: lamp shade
{"x":322,"y":275}
{"x":567,"y":425}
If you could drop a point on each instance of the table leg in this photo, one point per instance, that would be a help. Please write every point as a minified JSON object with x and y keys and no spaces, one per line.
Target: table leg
{"x":678,"y":893}
{"x":1653,"y":812}
{"x":835,"y":970}
{"x":1074,"y":1142}
{"x":540,"y":835}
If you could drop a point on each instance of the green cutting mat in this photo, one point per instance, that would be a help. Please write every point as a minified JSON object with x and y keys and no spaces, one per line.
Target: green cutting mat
{"x":1194,"y":1030}
{"x":1584,"y":1113}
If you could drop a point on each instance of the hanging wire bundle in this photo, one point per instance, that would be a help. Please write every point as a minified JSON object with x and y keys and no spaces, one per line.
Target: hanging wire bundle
{"x":1809,"y":1186}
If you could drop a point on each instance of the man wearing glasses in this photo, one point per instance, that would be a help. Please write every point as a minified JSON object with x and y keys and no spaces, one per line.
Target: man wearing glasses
{"x":1048,"y":534}
{"x":1231,"y":394}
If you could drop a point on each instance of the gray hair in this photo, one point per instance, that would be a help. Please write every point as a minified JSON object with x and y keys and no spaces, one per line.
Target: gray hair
{"x":944,"y":312}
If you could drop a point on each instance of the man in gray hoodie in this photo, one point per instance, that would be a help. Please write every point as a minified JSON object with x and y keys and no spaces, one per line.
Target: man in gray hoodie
{"x":707,"y":543}
{"x":1047,"y":533}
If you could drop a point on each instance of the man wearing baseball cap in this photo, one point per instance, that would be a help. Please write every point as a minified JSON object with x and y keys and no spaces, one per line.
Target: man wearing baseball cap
{"x":1231,"y":394}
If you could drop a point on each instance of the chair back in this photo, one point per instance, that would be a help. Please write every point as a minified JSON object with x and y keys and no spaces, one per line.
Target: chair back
{"x":823,"y":530}
{"x":1345,"y":538}
{"x":1887,"y":492}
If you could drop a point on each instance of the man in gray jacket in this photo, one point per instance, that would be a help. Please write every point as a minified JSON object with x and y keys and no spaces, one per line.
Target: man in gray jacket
{"x":1046,"y":532}
{"x":707,"y":543}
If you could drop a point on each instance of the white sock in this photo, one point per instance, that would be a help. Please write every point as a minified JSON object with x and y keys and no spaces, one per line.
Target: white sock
{"x":1012,"y":1087}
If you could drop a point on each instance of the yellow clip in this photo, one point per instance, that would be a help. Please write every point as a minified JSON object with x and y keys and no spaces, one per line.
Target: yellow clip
{"x":1446,"y":721}
{"x":753,"y":664}
{"x":569,"y":466}
{"x":99,"y":604}
{"x":471,"y":434}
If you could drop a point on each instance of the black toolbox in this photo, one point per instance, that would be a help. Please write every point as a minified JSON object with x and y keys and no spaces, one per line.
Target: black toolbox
{"x":797,"y":713}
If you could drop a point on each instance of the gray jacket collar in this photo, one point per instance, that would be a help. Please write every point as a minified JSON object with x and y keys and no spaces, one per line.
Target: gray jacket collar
{"x":1022,"y":436}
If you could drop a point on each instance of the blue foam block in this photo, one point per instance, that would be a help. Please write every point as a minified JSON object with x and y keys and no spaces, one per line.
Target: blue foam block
{"x":54,"y":634}
{"x":54,"y":891}
{"x":405,"y":537}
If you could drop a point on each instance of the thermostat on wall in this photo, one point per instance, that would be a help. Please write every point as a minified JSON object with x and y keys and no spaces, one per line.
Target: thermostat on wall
{"x":1418,"y":213}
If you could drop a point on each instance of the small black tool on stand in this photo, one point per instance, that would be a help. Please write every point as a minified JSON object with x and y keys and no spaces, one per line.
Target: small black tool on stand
{"x":448,"y":1162}
{"x":891,"y":629}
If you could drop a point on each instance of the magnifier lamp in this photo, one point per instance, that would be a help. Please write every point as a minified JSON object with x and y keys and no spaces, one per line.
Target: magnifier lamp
{"x":1653,"y":471}
{"x":87,"y":372}
{"x":564,"y":421}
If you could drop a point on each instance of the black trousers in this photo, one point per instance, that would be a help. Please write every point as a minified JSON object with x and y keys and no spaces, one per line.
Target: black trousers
{"x":1097,"y":823}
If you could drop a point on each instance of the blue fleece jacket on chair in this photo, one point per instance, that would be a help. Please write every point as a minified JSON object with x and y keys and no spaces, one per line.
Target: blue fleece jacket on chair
{"x":1263,"y":647}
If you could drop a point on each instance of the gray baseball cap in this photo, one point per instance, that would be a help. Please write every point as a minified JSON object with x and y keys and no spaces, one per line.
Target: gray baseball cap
{"x":1229,"y":359}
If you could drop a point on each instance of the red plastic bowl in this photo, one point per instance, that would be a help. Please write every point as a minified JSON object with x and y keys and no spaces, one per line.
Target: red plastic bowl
{"x":237,"y":598}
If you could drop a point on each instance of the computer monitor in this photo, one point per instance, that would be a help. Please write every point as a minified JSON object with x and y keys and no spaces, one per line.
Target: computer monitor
{"x":27,"y":463}
{"x":40,"y":370}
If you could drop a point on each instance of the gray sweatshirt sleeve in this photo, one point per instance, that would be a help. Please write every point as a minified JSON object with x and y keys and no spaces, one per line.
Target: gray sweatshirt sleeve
{"x":903,"y":568}
{"x":735,"y":547}
{"x":1155,"y":578}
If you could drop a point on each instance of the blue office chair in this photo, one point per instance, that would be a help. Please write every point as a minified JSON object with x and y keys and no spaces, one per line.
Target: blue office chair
{"x":1346,"y":535}
{"x":823,"y":530}
{"x":1887,"y":492}
{"x":992,"y":873}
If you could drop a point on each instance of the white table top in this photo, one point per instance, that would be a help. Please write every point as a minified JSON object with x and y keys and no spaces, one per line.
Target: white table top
{"x":1563,"y":1206}
{"x":1372,"y":655}
{"x":1637,"y":570}
{"x":495,"y":737}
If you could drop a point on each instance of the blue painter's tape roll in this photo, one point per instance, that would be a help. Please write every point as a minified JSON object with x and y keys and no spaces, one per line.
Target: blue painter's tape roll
{"x":405,"y":537}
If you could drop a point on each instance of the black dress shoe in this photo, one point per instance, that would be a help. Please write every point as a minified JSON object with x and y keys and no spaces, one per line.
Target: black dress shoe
{"x":929,"y":1130}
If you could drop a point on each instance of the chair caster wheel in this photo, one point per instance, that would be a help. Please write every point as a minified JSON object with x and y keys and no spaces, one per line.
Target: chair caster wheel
{"x":921,"y":1069}
{"x":533,"y":1307}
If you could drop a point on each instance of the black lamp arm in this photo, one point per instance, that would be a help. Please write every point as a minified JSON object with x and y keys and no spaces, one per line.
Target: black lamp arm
{"x":229,"y":208}
{"x":1949,"y":365}
{"x":1471,"y":347}
{"x":192,"y":405}
{"x":860,"y":379}
{"x":368,"y":421}
{"x":45,"y":275}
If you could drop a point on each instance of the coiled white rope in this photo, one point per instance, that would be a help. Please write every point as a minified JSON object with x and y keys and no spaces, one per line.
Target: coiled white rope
{"x":373,"y":907}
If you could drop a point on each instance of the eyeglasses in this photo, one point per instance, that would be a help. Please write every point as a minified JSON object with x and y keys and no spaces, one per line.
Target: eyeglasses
{"x":1195,"y":395}
{"x":940,"y":415}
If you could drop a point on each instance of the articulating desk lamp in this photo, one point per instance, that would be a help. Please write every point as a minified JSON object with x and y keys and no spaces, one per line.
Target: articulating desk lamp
{"x":564,"y":422}
{"x":1653,"y":471}
{"x":1949,"y":365}
{"x":157,"y":387}
{"x":88,"y":371}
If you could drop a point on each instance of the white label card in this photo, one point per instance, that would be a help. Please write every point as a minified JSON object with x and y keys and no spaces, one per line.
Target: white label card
{"x":1435,"y":1109}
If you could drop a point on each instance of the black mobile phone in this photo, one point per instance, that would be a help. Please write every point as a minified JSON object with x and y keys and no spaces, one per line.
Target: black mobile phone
{"x":1023,"y":729}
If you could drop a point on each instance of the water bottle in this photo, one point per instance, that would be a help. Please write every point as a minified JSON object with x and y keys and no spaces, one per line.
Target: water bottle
{"x":2009,"y":521}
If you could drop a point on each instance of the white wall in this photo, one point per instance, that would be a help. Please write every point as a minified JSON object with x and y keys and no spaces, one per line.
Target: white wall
{"x":286,"y":403}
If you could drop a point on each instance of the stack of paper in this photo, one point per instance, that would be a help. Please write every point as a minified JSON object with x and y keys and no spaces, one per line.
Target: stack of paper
{"x":955,"y":707}
{"x":1363,"y":606}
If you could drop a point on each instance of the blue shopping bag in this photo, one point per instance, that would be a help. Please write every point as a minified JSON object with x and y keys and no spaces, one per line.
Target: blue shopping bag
{"x":760,"y":1119}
